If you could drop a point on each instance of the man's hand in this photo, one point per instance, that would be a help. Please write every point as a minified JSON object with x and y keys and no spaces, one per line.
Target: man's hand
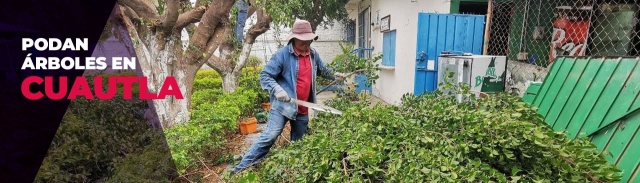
{"x":340,"y":76}
{"x":282,"y":96}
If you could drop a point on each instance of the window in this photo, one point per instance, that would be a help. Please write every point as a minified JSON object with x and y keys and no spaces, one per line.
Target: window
{"x":389,"y":48}
{"x":362,"y":32}
{"x":350,"y":32}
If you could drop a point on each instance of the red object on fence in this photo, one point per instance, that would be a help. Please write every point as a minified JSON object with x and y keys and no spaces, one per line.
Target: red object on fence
{"x":570,"y":32}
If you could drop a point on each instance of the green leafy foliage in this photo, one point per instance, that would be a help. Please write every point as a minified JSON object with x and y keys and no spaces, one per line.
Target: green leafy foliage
{"x":316,"y":12}
{"x":103,"y":141}
{"x":254,"y":61}
{"x":214,"y":114}
{"x":205,"y":96}
{"x":202,"y":74}
{"x":348,"y":62}
{"x":250,"y":78}
{"x":152,"y":165}
{"x":435,"y":138}
{"x":110,"y":141}
{"x":209,"y":125}
{"x":207,"y":83}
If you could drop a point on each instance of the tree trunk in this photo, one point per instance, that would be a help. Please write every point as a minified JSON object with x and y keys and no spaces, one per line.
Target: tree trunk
{"x":231,"y":75}
{"x":156,"y":65}
{"x":230,"y":82}
{"x":150,"y":115}
{"x":161,"y":56}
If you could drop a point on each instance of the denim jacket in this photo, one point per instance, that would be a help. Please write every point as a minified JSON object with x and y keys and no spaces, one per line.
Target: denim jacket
{"x":281,"y":73}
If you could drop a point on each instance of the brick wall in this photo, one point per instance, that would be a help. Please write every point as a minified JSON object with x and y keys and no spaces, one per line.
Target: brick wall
{"x":327,"y":44}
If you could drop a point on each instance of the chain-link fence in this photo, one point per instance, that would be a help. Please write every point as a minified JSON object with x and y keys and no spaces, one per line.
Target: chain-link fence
{"x":534,"y":32}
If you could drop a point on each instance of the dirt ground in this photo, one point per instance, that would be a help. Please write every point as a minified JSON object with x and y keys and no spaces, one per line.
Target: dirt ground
{"x":236,"y":143}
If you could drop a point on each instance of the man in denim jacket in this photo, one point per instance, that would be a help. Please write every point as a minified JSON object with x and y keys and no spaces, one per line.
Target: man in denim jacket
{"x":291,"y":73}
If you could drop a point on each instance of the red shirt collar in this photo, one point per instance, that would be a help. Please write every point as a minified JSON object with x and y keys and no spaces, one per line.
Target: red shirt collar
{"x":301,"y":53}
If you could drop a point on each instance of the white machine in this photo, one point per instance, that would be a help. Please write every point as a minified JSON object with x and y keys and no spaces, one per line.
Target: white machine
{"x":484,"y":73}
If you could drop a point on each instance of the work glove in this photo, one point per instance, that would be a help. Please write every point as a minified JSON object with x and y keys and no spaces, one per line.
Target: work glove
{"x":339,"y":76}
{"x":282,"y":96}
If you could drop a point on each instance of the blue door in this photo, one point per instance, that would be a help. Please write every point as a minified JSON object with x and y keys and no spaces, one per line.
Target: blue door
{"x":444,"y":32}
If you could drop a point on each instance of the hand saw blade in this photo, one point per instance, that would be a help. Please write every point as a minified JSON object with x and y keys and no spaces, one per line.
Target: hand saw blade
{"x":317,"y":107}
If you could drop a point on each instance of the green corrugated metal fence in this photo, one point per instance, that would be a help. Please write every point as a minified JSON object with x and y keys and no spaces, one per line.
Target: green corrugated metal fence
{"x":595,"y":98}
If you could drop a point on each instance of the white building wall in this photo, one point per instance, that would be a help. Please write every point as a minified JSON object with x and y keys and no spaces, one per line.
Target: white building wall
{"x":395,"y":82}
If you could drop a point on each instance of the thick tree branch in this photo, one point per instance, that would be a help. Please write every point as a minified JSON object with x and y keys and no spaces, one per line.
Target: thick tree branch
{"x":165,"y":26}
{"x":226,"y":40}
{"x":131,"y":16}
{"x":243,"y":58}
{"x":131,"y":13}
{"x":217,"y":42}
{"x":170,"y":15}
{"x":261,"y":26}
{"x":317,"y":17}
{"x":131,"y":28}
{"x":212,"y":44}
{"x":219,"y":64}
{"x":141,"y":7}
{"x":252,"y":9}
{"x":190,"y":17}
{"x":211,"y":18}
{"x":223,"y":41}
{"x":256,"y":30}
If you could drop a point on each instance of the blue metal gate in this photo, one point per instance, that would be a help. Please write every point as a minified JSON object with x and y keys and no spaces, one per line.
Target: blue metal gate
{"x":363,"y":50}
{"x":444,"y":32}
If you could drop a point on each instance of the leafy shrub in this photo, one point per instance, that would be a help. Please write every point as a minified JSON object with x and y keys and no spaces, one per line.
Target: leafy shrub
{"x":207,"y":83}
{"x":204,"y":96}
{"x":213,"y":115}
{"x":109,"y":141}
{"x":207,"y":74}
{"x":210,"y":122}
{"x":210,"y":79}
{"x":152,"y":164}
{"x":433,"y":137}
{"x":97,"y":138}
{"x":348,"y":62}
{"x":254,"y":61}
{"x":250,"y":79}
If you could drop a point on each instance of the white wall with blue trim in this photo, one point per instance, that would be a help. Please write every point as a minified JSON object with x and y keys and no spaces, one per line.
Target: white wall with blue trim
{"x":398,"y":73}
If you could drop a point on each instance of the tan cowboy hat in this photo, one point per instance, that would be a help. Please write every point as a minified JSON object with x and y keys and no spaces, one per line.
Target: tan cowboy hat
{"x":302,"y":30}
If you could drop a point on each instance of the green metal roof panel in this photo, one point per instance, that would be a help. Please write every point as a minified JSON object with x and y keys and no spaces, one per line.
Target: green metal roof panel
{"x":596,"y":97}
{"x":591,"y":90}
{"x":531,"y":92}
{"x":528,"y":97}
{"x":534,"y":88}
